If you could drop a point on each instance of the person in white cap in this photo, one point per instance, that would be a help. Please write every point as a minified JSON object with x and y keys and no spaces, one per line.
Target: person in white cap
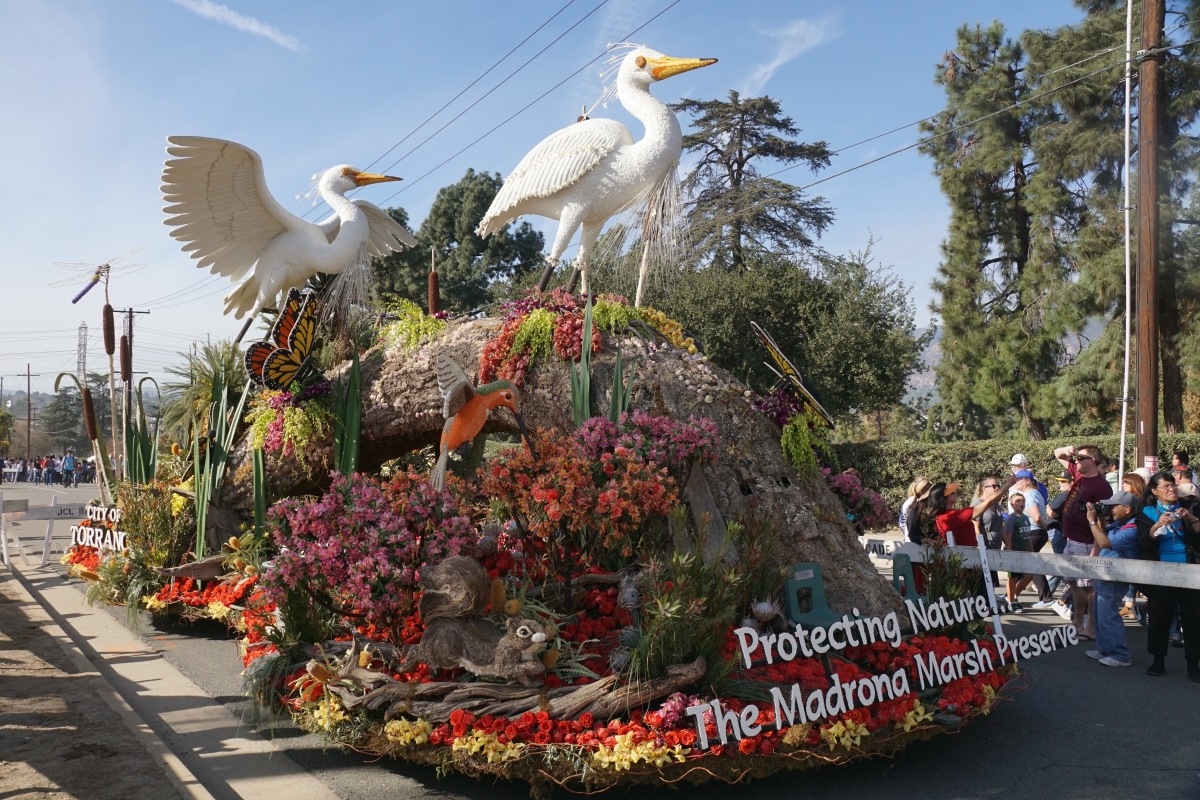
{"x":1019,"y":462}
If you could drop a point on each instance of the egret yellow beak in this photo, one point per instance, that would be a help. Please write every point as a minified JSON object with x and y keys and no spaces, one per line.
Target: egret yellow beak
{"x":667,"y":66}
{"x":366,"y":178}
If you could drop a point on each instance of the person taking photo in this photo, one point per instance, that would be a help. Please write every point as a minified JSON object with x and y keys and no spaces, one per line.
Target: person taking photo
{"x":1169,"y":531}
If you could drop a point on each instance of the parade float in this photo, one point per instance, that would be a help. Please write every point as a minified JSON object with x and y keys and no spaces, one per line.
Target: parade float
{"x":555,"y":544}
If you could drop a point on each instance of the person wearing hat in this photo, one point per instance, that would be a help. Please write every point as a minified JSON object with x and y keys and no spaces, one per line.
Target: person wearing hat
{"x":918,"y":489}
{"x":1114,"y":528}
{"x":1017,"y":463}
{"x":937,"y":515}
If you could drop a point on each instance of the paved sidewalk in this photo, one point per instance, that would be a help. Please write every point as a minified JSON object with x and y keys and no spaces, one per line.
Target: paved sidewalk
{"x":228,"y":758}
{"x":59,"y":738}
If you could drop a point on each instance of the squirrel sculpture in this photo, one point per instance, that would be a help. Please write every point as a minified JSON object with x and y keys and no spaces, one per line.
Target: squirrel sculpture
{"x":515,"y":654}
{"x":455,"y":594}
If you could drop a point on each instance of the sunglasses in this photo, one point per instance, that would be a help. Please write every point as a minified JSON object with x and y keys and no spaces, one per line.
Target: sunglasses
{"x":1084,"y":458}
{"x":991,"y":486}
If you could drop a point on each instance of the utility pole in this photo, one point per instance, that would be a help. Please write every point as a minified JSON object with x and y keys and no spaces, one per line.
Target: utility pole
{"x":29,"y":376}
{"x":1149,"y":89}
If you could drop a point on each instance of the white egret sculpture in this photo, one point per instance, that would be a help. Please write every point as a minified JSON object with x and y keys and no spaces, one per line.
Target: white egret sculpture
{"x":220,"y":207}
{"x":584,"y":174}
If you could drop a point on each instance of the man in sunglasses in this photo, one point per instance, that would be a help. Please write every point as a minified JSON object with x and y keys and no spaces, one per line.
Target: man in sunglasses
{"x":1088,"y":486}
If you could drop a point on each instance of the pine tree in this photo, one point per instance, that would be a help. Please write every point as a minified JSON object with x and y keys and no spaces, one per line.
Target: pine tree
{"x":733,"y":211}
{"x":1080,"y":142}
{"x":466,"y":264}
{"x":1000,"y":277}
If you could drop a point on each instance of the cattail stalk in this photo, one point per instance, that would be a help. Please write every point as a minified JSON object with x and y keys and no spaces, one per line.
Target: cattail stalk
{"x":126,"y":360}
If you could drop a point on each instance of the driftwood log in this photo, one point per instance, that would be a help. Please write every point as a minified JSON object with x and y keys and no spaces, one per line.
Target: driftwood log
{"x":565,"y":702}
{"x":402,"y":413}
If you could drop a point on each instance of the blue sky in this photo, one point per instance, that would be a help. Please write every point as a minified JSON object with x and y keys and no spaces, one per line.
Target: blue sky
{"x":91,"y":90}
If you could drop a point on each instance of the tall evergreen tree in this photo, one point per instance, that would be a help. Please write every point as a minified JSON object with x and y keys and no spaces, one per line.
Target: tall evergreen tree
{"x":1001,"y":275}
{"x":733,"y":211}
{"x":466,"y":264}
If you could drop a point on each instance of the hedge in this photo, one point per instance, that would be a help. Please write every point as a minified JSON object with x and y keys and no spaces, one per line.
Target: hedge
{"x":889,"y":466}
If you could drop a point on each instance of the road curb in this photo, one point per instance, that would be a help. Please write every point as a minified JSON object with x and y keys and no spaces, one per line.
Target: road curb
{"x":176,"y":771}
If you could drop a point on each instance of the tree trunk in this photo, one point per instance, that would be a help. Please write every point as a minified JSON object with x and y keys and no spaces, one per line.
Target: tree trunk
{"x":1168,"y":333}
{"x":1037,"y":431}
{"x":402,"y":413}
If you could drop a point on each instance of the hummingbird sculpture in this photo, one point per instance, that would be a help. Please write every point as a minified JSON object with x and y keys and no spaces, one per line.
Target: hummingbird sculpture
{"x":465,"y":407}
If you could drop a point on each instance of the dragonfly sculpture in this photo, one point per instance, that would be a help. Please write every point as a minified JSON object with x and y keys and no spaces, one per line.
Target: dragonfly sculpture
{"x":92,"y":274}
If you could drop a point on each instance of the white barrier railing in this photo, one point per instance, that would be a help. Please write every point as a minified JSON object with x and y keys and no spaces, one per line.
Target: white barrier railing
{"x":13,"y":512}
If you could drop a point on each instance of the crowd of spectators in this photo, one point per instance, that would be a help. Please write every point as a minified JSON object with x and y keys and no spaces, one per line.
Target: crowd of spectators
{"x":1094,"y":512}
{"x":50,"y":470}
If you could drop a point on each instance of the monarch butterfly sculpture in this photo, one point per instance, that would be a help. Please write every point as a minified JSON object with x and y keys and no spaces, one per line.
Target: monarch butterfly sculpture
{"x":276,"y":362}
{"x":790,"y":372}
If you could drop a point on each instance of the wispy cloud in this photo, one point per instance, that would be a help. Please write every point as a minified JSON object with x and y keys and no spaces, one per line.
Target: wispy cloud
{"x":794,"y":38}
{"x":227,"y":16}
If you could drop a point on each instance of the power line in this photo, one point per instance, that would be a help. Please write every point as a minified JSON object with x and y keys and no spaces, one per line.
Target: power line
{"x":525,"y":108}
{"x":468,"y":86}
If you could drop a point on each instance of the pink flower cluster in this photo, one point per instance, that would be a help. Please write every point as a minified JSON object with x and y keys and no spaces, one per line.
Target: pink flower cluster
{"x":362,"y":544}
{"x":866,"y":508}
{"x":658,"y":440}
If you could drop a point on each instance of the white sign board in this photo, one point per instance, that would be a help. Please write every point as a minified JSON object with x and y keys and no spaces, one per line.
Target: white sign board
{"x":73,"y":511}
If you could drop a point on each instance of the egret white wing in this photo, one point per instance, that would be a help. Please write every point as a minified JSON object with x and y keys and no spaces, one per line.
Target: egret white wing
{"x":219,"y":205}
{"x":561,"y":159}
{"x":454,"y":385}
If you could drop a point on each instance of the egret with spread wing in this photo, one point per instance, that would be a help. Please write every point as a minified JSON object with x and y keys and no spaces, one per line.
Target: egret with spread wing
{"x":220,"y":208}
{"x":586,"y":173}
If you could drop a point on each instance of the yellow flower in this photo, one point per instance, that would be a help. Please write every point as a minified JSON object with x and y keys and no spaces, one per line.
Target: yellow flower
{"x":488,"y":744}
{"x":917,"y":715}
{"x":669,"y":328}
{"x":990,"y":697}
{"x":217,"y":610}
{"x":154,"y":604}
{"x":844,"y":733}
{"x":624,"y":753}
{"x":328,"y":713}
{"x":407,"y":732}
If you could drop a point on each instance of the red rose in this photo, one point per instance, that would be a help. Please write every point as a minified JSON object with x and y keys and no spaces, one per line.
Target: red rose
{"x":747,"y":746}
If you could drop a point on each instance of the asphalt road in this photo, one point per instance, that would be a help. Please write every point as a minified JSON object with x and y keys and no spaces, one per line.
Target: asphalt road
{"x":1074,"y":729}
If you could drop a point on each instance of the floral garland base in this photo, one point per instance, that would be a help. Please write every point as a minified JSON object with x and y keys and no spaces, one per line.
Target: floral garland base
{"x":632,"y":760}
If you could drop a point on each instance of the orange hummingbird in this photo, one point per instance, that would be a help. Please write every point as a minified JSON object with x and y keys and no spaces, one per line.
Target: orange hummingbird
{"x":465,"y":408}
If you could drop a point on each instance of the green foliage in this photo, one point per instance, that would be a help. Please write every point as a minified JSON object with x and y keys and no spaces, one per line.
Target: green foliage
{"x":536,"y":334}
{"x":613,"y":317}
{"x":347,"y":431}
{"x":6,"y":427}
{"x":805,"y":444}
{"x":621,"y":394}
{"x":218,"y":435}
{"x":1035,"y":249}
{"x":846,"y":324}
{"x":208,"y":366}
{"x":688,"y":605}
{"x":889,"y":466}
{"x":581,"y":372}
{"x":413,"y":326}
{"x":466,"y":264}
{"x":260,"y":492}
{"x":141,"y":444}
{"x":734,"y":212}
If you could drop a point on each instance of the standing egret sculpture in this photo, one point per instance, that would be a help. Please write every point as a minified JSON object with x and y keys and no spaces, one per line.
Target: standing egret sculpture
{"x":586,"y":173}
{"x":220,"y":208}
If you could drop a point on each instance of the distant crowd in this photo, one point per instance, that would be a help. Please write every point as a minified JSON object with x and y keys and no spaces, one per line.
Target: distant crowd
{"x":1094,"y":512}
{"x":51,"y":470}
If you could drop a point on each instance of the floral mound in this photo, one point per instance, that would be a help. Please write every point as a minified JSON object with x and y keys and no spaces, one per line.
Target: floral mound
{"x":546,"y":322}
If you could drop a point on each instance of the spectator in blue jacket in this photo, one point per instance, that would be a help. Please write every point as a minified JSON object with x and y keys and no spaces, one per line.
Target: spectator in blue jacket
{"x":1117,"y":537}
